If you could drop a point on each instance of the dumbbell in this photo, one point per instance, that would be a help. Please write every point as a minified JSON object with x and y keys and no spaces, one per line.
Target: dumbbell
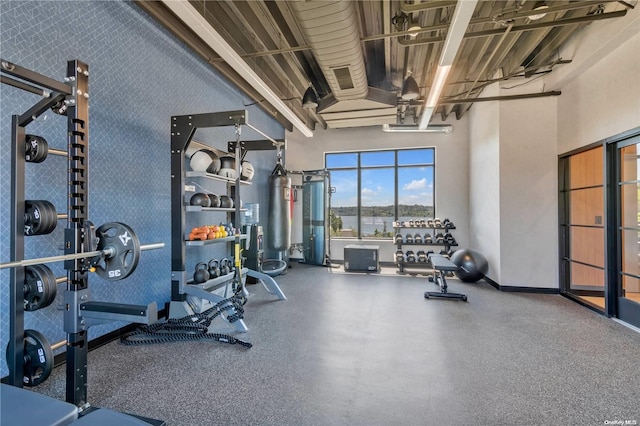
{"x":422,"y":256}
{"x":398,"y":239}
{"x":399,"y":256}
{"x":411,"y":256}
{"x":439,"y":238}
{"x":417,"y":238}
{"x":408,"y":239}
{"x":427,"y":239}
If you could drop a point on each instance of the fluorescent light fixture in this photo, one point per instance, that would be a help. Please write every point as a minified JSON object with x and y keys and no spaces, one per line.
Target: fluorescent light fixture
{"x":412,"y":128}
{"x":539,"y":6}
{"x":438,"y":84}
{"x":457,"y":29}
{"x":190,"y":16}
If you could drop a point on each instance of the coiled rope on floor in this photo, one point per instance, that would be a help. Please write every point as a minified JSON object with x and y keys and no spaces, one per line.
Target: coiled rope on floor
{"x":190,"y":328}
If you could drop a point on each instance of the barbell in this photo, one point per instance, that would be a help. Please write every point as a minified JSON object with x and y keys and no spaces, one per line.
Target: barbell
{"x":116,"y":257}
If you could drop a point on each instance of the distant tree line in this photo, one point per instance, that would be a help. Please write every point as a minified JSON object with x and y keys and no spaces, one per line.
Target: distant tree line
{"x":404,"y":210}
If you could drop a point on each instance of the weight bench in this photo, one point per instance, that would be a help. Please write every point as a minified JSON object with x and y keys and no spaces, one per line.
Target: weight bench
{"x":442,"y":265}
{"x":24,"y":407}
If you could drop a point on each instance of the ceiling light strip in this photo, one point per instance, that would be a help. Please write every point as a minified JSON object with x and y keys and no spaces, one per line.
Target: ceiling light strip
{"x":185,"y":11}
{"x":459,"y":23}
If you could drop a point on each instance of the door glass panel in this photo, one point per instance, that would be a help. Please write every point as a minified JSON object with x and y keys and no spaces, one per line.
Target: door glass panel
{"x":585,"y":277}
{"x":629,"y":163}
{"x":585,"y":168}
{"x":630,"y":212}
{"x":630,"y":252}
{"x":586,"y":206}
{"x":631,"y":288}
{"x":587,"y":245}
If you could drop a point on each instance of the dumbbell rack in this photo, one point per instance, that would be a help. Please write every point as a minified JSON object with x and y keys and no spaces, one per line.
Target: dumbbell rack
{"x":398,"y":229}
{"x":79,"y":312}
{"x":183,"y":129}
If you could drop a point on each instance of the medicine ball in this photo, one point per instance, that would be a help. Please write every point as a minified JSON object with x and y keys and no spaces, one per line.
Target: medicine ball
{"x":205,"y":160}
{"x":472,"y":265}
{"x":215,"y":200}
{"x":200,"y":199}
{"x":226,"y":202}
{"x":247,"y":171}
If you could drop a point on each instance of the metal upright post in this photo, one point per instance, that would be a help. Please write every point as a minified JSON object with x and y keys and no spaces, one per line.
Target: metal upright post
{"x":16,"y":309}
{"x":77,"y":212}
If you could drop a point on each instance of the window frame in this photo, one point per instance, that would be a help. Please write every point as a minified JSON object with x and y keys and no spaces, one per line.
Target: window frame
{"x":358,"y":168}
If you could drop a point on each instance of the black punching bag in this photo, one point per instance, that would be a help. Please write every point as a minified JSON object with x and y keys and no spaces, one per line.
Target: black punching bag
{"x":279,"y":223}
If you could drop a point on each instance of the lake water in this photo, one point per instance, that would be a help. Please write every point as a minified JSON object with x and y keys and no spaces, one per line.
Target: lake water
{"x":370,"y":224}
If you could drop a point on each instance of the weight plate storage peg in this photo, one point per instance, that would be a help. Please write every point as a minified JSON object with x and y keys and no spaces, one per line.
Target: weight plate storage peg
{"x":38,"y":358}
{"x":36,"y":149}
{"x":40,"y":287}
{"x":121,"y":249}
{"x":40,"y":217}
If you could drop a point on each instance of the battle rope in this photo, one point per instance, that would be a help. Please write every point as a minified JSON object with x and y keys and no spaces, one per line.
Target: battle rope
{"x":190,"y":328}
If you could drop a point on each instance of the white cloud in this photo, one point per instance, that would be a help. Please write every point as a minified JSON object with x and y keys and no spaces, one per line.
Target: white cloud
{"x":416,"y":185}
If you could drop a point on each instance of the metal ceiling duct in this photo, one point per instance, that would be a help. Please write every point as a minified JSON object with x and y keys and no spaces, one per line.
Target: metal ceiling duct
{"x":331,"y":28}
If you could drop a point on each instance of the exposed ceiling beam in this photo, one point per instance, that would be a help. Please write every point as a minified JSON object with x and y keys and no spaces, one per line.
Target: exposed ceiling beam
{"x":459,"y":23}
{"x":163,"y":15}
{"x":185,"y":11}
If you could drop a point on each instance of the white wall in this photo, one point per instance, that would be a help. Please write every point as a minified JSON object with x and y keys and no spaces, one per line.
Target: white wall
{"x":452,"y":169}
{"x":528,"y":193}
{"x":484,"y":181}
{"x":603,"y":100}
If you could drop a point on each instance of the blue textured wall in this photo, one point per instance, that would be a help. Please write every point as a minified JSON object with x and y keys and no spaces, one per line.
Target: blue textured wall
{"x":140,"y":75}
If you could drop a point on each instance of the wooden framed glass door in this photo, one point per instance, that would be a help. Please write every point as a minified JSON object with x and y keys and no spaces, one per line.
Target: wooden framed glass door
{"x":582,"y":227}
{"x":627,"y":233}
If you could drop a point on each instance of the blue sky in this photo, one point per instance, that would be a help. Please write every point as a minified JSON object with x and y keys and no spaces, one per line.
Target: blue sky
{"x":415,"y":183}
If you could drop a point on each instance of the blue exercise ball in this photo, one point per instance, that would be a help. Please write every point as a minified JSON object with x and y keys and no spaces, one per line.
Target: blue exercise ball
{"x":472,"y":265}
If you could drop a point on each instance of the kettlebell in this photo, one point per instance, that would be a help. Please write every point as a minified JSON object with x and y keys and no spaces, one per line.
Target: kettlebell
{"x":214,"y":270}
{"x":224,"y":266}
{"x":201,"y":274}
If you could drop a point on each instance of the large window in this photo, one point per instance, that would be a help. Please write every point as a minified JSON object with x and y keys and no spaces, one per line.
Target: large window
{"x":374,"y":188}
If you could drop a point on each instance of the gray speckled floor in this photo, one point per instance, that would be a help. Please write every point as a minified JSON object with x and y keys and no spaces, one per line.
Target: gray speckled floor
{"x":357,"y":349}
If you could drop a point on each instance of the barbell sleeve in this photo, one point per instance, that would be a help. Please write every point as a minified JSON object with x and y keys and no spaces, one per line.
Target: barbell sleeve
{"x":58,"y":345}
{"x":59,"y":152}
{"x":61,"y":258}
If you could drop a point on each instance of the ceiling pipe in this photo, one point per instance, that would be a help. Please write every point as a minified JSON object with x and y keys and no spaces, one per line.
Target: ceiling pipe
{"x":459,"y":23}
{"x":489,"y":19}
{"x":417,"y":7}
{"x":502,"y":98}
{"x":520,"y":28}
{"x":488,"y":61}
{"x":185,"y":11}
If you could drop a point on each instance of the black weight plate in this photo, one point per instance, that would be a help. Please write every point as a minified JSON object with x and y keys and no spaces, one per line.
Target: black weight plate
{"x":119,"y":238}
{"x":36,"y":149}
{"x":41,"y":217}
{"x":39,"y":287}
{"x":38,"y":358}
{"x":52,"y":214}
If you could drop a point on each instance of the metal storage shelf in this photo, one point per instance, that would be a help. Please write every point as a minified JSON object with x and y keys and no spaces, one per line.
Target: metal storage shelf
{"x":213,"y":241}
{"x":427,"y":244}
{"x":211,"y":209}
{"x":211,"y":284}
{"x":215,"y":177}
